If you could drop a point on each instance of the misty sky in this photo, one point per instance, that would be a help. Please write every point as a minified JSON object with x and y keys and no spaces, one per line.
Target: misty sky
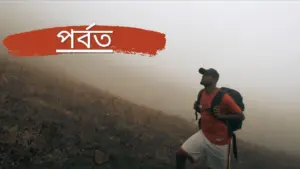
{"x":253,"y":45}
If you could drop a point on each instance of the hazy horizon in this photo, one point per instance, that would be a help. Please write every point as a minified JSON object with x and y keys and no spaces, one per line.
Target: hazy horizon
{"x":253,"y":45}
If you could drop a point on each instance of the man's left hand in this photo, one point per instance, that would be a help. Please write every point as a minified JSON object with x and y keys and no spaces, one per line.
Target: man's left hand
{"x":216,"y":112}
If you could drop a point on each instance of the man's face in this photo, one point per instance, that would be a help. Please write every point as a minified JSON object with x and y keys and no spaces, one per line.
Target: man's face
{"x":207,"y":80}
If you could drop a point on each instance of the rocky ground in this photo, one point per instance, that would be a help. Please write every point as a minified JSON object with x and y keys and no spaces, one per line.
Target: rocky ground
{"x":49,"y":121}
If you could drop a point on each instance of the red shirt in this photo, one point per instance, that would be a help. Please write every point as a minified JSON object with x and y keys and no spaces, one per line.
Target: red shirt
{"x":215,"y":130}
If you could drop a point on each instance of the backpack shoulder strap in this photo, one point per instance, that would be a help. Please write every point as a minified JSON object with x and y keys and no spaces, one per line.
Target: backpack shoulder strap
{"x":218,"y":97}
{"x":234,"y":147}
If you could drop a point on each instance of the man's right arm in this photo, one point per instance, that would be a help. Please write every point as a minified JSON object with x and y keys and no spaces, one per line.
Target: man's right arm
{"x":197,"y":106}
{"x":197,"y":102}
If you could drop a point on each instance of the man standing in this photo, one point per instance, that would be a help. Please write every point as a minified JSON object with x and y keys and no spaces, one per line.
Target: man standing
{"x":213,"y":141}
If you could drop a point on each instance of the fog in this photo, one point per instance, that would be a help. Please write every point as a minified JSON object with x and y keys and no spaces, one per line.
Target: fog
{"x":254,"y":46}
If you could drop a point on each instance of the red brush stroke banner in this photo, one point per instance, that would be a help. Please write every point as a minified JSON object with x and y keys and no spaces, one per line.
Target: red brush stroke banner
{"x":74,"y":39}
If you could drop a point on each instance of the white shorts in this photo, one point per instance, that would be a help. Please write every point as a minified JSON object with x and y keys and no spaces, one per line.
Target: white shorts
{"x":200,"y":148}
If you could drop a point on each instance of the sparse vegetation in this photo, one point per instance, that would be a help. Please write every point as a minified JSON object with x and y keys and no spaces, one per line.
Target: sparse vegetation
{"x":50,"y":121}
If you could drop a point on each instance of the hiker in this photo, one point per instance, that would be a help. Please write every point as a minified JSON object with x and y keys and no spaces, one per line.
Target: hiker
{"x":213,"y":141}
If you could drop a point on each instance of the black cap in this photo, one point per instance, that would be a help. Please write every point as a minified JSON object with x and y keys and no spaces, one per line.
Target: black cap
{"x":209,"y":72}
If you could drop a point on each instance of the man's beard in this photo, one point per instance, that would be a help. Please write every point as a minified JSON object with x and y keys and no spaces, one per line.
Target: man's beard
{"x":205,"y":84}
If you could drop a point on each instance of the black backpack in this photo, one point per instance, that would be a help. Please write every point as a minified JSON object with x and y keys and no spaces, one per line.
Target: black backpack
{"x":232,"y":125}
